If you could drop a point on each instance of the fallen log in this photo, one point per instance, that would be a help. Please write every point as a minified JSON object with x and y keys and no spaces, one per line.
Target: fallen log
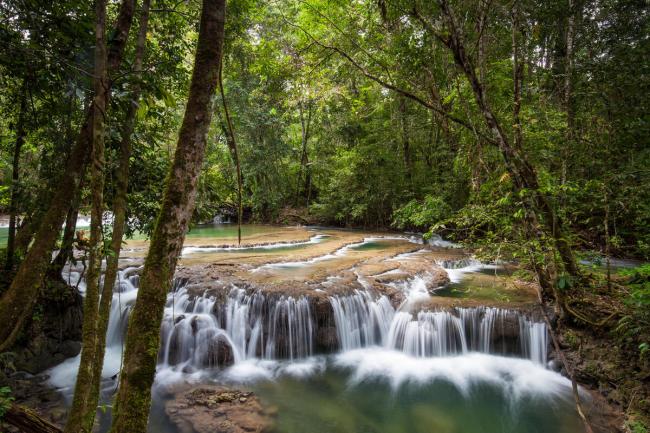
{"x":28,"y":421}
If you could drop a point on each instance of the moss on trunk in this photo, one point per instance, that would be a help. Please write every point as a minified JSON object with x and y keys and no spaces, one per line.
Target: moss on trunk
{"x":143,"y":336}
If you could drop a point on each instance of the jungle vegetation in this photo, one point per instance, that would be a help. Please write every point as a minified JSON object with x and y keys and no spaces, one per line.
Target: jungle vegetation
{"x":520,"y":128}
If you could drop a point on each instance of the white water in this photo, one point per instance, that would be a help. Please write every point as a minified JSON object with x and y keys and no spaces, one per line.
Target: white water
{"x":458,"y":269}
{"x":64,"y":375}
{"x":313,"y":240}
{"x":252,"y":325}
{"x":362,"y":321}
{"x":518,"y":376}
{"x":271,"y":336}
{"x":82,"y":221}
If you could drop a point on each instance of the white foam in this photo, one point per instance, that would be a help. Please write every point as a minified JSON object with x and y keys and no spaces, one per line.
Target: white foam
{"x":457,"y":274}
{"x":437,"y":241}
{"x":518,"y":377}
{"x":313,"y":240}
{"x":64,"y":375}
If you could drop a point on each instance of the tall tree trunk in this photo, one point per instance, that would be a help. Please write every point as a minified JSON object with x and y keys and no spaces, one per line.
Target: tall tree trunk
{"x":80,"y":418}
{"x":568,"y":89}
{"x":15,"y":176}
{"x":88,"y":406}
{"x":521,"y":171}
{"x":66,"y":251}
{"x":234,"y":151}
{"x":305,"y":125}
{"x":17,"y":302}
{"x":25,"y":234}
{"x":133,"y":399}
{"x":406,"y":145}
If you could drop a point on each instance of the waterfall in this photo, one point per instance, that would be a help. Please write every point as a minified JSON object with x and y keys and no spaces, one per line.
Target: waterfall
{"x":360,"y":321}
{"x":204,"y":332}
{"x":363,"y":321}
{"x":535,"y":340}
{"x":124,"y":296}
{"x":198,"y":332}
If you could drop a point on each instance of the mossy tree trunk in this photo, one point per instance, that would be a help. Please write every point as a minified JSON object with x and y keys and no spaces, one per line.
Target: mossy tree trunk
{"x":18,"y":301}
{"x":66,"y":251}
{"x":80,"y":418}
{"x":143,"y":336}
{"x":28,"y":421}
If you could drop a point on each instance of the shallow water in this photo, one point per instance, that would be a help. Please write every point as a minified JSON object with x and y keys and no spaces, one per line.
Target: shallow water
{"x":276,"y":248}
{"x":381,"y":391}
{"x":326,"y":404}
{"x":226,"y":231}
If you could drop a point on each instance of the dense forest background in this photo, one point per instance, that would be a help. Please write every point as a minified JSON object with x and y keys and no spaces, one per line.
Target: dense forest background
{"x":319,"y":128}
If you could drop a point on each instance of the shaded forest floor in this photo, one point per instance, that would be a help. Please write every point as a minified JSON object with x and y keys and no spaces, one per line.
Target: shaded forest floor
{"x":604,"y":358}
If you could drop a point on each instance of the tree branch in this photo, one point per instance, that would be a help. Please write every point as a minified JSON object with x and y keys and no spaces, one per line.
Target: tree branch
{"x":386,"y":84}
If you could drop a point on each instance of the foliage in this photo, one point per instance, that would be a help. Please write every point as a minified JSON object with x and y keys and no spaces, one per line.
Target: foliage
{"x":315,"y":132}
{"x":5,"y":400}
{"x":636,"y":426}
{"x":637,"y":324}
{"x":416,"y":214}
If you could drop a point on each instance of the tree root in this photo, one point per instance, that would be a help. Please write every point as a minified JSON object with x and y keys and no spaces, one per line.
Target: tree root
{"x":585,"y":319}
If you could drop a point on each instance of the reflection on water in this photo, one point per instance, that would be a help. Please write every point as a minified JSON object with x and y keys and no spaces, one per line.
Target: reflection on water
{"x":230,"y":230}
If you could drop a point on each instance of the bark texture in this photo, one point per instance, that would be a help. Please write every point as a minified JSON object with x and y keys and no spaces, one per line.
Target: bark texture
{"x":133,"y":399}
{"x":89,"y":405}
{"x":66,"y":250}
{"x":28,"y":421}
{"x":81,"y":418}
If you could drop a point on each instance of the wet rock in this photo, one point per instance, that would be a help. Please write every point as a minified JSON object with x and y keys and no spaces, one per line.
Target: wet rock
{"x":34,"y":392}
{"x":216,"y":409}
{"x":220,"y":354}
{"x":326,"y":339}
{"x":52,"y":334}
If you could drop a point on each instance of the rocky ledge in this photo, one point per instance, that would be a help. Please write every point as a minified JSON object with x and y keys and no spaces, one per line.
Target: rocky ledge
{"x":217,"y":409}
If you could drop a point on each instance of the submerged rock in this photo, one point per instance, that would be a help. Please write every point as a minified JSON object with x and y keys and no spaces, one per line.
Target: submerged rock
{"x":217,"y":409}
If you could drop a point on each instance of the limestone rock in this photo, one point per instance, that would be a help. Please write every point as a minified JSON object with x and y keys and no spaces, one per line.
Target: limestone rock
{"x":217,"y":409}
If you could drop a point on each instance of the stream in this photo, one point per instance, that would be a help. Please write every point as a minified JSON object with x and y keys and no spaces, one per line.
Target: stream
{"x":390,"y":354}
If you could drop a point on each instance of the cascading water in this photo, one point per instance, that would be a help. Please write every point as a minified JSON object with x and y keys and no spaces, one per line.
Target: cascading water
{"x":363,"y":321}
{"x":198,"y":332}
{"x":360,"y":342}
